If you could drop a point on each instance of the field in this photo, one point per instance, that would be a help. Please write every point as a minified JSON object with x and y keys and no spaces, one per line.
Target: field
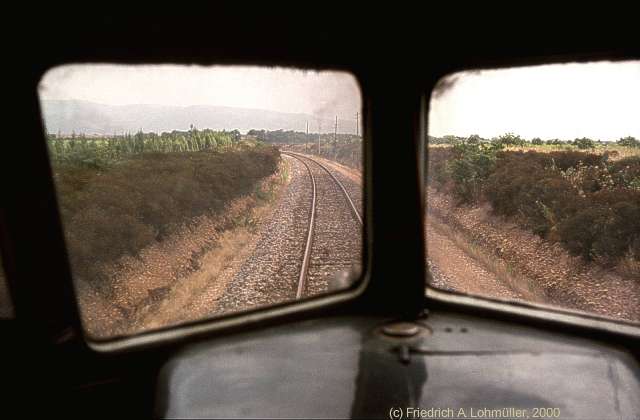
{"x":553,"y":223}
{"x":586,"y":200}
{"x":120,"y":195}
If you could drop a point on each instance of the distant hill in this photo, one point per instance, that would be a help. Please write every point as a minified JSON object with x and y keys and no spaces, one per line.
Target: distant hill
{"x":67,"y":116}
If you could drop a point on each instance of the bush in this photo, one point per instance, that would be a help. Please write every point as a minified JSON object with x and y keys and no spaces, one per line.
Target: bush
{"x":533,"y":195}
{"x":509,"y":139}
{"x":606,"y":229}
{"x":118,"y":211}
{"x":626,"y":173}
{"x":585,"y":202}
{"x":471,"y":166}
{"x":584,"y":143}
{"x":436,"y":174}
{"x":569,"y":159}
{"x":629,"y":142}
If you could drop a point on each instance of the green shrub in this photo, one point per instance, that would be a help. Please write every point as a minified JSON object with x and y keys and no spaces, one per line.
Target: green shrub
{"x":626,"y":173}
{"x":533,"y":195}
{"x":436,"y":174}
{"x":629,"y":142}
{"x":584,"y":143}
{"x":509,"y":139}
{"x":471,"y":166}
{"x":582,"y":200}
{"x":607,"y":228}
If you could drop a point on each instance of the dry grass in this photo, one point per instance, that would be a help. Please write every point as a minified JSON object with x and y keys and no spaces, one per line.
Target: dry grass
{"x":501,"y":269}
{"x":620,"y":152}
{"x":113,"y":212}
{"x":158,"y":288}
{"x":218,"y":266}
{"x":629,"y":267}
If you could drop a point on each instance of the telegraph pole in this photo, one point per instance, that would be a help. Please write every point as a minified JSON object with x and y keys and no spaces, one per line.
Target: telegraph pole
{"x":335,"y":132}
{"x":319,"y":129}
{"x":357,"y":124}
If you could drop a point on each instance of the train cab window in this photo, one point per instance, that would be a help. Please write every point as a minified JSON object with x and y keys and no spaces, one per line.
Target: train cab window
{"x":192,"y":192}
{"x":533,"y":186}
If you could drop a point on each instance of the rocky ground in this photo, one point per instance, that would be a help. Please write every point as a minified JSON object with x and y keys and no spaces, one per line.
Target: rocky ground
{"x":270,"y":273}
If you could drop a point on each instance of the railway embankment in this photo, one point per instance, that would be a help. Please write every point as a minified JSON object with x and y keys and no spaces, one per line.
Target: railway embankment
{"x":530,"y":266}
{"x":136,"y":230}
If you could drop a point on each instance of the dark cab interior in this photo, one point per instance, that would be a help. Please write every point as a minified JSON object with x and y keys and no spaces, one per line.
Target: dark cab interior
{"x":384,"y":344}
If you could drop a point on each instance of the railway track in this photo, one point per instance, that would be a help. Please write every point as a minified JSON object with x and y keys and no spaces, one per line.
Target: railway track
{"x":308,"y":162}
{"x":312,"y":235}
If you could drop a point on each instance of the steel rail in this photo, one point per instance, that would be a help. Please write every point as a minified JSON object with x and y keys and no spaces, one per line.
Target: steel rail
{"x":304,"y":270}
{"x":355,"y":211}
{"x":302,"y":279}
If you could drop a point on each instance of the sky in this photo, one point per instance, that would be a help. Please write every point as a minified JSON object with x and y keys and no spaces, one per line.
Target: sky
{"x":566,"y":101}
{"x":323,"y":94}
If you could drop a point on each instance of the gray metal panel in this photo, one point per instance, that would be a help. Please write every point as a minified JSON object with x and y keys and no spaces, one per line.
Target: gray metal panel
{"x":341,"y":367}
{"x":282,"y":372}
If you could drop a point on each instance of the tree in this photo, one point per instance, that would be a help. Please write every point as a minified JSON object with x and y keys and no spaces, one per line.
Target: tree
{"x":474,"y":139}
{"x":537,"y":141}
{"x":584,"y":143}
{"x":629,"y":142}
{"x":509,"y":139}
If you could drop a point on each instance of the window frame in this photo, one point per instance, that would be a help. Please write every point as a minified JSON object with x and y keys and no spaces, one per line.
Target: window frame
{"x":520,"y":310}
{"x":43,"y":295}
{"x":229,"y":321}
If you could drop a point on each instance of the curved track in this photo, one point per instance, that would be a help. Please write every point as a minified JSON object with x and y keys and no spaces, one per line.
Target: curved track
{"x":331,"y":233}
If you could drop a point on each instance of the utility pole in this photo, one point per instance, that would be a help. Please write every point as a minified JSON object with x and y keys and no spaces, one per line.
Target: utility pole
{"x":306,"y":137}
{"x":319,"y":129}
{"x":357,"y":124}
{"x":335,"y":132}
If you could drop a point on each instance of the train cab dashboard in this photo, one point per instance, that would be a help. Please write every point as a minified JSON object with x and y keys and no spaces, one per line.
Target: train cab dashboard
{"x":379,"y":348}
{"x":453,"y":366}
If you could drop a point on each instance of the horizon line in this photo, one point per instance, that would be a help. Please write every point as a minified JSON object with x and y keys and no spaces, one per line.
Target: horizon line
{"x":330,"y":116}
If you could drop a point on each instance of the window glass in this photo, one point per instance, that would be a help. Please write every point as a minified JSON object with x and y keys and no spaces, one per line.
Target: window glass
{"x":533,"y":186}
{"x":189,"y":192}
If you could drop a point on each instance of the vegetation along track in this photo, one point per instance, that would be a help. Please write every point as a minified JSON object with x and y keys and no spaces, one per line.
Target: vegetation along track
{"x":333,"y":245}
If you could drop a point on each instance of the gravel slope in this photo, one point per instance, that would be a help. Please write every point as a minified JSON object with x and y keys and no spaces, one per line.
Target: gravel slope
{"x":558,"y":278}
{"x":270,"y":273}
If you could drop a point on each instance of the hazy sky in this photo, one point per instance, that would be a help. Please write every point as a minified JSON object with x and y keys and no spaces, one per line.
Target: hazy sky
{"x":596,"y":100}
{"x":278,"y":89}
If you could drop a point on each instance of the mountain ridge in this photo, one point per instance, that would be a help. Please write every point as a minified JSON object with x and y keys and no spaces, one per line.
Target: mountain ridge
{"x":81,"y":116}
